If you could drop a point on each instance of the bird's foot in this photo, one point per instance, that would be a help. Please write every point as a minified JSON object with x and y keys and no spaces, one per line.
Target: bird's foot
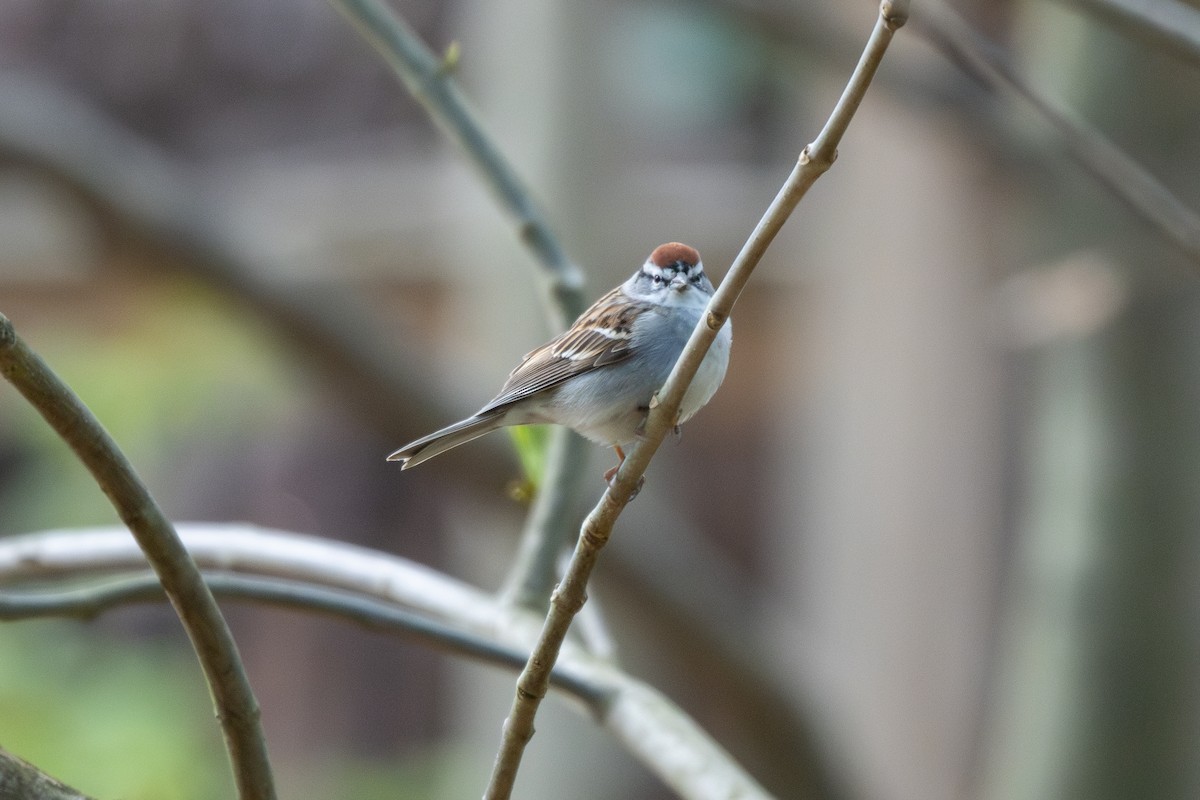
{"x":611,"y":473}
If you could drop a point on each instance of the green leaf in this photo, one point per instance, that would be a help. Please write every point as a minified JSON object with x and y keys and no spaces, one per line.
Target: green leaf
{"x":531,"y":442}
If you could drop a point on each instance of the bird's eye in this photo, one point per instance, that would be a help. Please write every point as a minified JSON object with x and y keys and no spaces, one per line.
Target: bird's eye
{"x":658,"y":279}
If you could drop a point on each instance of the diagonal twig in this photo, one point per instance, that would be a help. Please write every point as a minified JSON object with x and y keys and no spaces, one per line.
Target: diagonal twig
{"x":570,"y":595}
{"x":215,"y":648}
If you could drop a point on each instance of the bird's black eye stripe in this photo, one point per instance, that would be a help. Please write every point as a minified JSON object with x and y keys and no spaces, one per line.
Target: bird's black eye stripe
{"x":683,"y":271}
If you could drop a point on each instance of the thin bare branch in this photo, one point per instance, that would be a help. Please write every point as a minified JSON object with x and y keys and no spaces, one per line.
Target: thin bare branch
{"x":1109,"y":164}
{"x":215,"y":648}
{"x":570,"y":595}
{"x":634,"y":712}
{"x":1166,"y":25}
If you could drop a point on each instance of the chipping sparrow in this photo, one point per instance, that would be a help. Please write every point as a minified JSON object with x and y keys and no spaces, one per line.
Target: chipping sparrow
{"x":599,"y":376}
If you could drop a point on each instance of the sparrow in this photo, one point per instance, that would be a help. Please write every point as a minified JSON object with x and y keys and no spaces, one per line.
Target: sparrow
{"x":598,"y":377}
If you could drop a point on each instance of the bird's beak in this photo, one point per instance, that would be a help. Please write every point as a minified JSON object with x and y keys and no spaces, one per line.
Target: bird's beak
{"x":679,"y":283}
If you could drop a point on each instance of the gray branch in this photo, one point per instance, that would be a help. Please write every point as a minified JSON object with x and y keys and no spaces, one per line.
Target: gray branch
{"x":86,"y":602}
{"x":650,"y":726}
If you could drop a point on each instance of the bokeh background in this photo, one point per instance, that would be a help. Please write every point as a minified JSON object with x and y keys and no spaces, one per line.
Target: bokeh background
{"x":934,"y":539}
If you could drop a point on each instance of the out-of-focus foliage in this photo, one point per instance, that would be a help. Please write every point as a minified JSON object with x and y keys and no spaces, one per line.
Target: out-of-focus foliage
{"x":177,"y":365}
{"x":111,"y":719}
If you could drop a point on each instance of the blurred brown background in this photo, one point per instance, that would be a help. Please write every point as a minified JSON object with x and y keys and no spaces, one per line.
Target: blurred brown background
{"x":934,"y":539}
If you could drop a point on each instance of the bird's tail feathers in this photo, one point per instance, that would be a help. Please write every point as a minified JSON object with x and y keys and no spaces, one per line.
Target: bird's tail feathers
{"x":449,"y":437}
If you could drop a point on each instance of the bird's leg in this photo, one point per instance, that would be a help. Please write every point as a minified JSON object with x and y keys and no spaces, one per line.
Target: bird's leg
{"x":612,"y":473}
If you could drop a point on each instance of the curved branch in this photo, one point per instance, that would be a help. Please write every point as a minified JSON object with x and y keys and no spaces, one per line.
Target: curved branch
{"x":215,"y":648}
{"x":570,"y":595}
{"x":61,"y":554}
{"x":654,"y":730}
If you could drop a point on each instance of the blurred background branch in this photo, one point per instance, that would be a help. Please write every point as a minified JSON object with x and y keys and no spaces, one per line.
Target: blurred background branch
{"x":1120,"y":173}
{"x":88,"y":602}
{"x":1165,"y":26}
{"x":320,"y":576}
{"x":428,"y":78}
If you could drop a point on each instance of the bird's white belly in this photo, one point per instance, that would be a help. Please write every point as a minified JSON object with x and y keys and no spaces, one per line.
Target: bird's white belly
{"x":709,"y":377}
{"x":609,"y":405}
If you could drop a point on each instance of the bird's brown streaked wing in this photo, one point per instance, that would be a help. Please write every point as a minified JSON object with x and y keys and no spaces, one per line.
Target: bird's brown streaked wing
{"x":603,"y":339}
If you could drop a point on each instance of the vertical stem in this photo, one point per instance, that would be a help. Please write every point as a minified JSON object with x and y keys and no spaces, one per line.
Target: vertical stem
{"x":535,"y":569}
